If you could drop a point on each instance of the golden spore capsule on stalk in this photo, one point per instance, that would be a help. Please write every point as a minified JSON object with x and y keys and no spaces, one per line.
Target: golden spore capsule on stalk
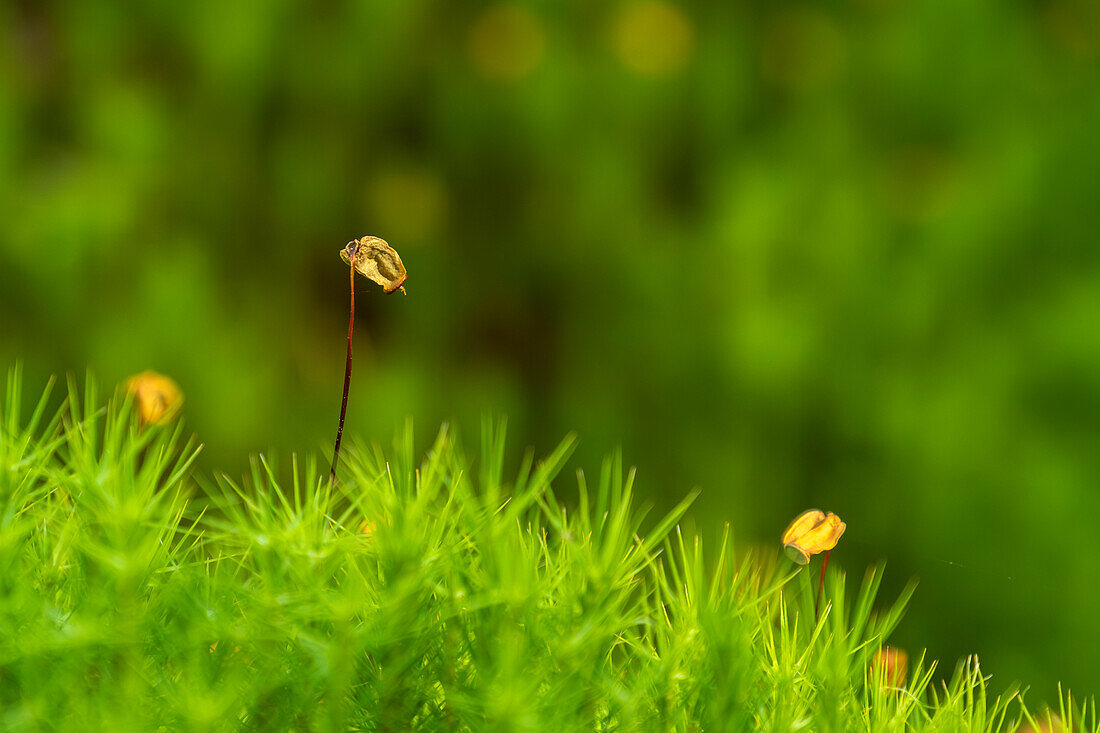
{"x":376,"y":260}
{"x":156,"y":397}
{"x":810,"y":533}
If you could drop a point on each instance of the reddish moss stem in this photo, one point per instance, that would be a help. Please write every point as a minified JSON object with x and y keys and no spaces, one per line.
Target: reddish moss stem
{"x":821,"y":583}
{"x":347,"y":380}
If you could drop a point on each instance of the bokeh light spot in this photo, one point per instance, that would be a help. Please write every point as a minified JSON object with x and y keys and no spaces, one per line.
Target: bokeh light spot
{"x":920,"y":183}
{"x":1074,"y":26}
{"x":653,"y":38}
{"x":407,"y":203}
{"x":802,"y":50}
{"x":506,"y":43}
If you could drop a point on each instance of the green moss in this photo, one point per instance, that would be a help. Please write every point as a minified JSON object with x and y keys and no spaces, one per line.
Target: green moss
{"x":417,"y":592}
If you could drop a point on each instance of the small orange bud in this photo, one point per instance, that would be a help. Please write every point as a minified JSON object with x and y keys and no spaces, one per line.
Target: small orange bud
{"x":214,"y":648}
{"x":1046,"y":722}
{"x":156,"y":397}
{"x":812,"y":532}
{"x":890,"y":666}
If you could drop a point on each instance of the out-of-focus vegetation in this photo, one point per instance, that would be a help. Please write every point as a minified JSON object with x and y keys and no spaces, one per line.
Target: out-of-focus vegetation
{"x":837,"y":254}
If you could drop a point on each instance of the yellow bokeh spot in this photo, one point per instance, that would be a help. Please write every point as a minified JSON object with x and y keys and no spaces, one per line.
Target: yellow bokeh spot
{"x":506,"y":43}
{"x":653,"y":38}
{"x":802,"y":49}
{"x":156,"y":397}
{"x":408,"y":203}
{"x":1074,"y":26}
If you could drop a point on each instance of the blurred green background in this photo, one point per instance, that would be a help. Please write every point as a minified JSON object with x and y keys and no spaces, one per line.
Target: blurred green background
{"x":837,"y":254}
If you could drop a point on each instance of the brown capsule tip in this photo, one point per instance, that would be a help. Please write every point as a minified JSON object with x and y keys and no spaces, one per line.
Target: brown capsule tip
{"x":394,"y":287}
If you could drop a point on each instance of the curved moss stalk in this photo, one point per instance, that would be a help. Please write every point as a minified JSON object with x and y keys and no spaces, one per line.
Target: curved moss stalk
{"x":347,"y":381}
{"x":377,"y":261}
